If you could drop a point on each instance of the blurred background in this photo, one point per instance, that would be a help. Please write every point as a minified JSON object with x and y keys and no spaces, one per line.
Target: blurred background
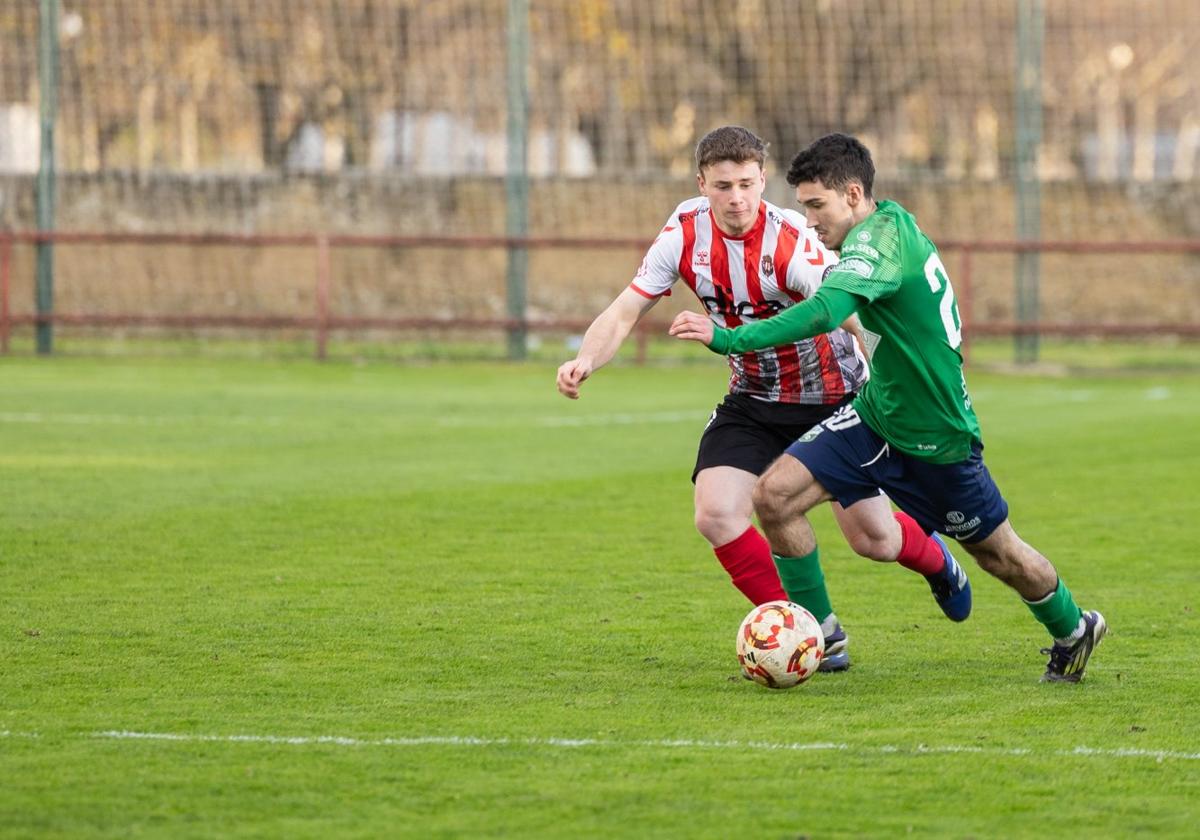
{"x":478,"y":178}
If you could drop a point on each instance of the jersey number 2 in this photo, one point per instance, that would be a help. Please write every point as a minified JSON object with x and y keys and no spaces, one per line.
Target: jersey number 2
{"x":936,"y":274}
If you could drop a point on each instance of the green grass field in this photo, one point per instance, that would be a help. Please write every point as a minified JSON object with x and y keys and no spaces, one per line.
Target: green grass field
{"x":254,"y":598}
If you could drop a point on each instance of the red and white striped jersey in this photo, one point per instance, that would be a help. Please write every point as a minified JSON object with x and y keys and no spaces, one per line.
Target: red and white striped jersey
{"x":741,"y":279}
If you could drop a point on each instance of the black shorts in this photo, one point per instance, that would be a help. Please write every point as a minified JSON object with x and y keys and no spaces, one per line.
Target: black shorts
{"x":749,"y":434}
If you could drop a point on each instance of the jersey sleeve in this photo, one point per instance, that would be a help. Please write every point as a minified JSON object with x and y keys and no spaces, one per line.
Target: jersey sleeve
{"x":819,"y":314}
{"x":660,"y":267}
{"x":870,"y":259}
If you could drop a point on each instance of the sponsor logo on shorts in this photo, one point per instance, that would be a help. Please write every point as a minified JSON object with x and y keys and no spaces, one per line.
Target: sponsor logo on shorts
{"x":811,"y":434}
{"x":958,"y":525}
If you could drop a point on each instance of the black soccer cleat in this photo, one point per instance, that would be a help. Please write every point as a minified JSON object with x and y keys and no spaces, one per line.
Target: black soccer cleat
{"x":1068,"y":661}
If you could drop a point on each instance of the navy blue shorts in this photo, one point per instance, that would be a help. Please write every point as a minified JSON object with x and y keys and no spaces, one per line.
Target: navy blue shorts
{"x":853,"y":463}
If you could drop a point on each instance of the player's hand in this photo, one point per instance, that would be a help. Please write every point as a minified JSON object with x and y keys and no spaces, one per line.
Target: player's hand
{"x":571,"y":375}
{"x":692,"y":327}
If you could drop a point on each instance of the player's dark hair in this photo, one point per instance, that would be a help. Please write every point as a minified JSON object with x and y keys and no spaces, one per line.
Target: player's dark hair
{"x":732,"y":143}
{"x":835,"y":160}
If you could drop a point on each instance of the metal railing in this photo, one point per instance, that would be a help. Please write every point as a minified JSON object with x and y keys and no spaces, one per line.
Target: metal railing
{"x":322,"y":320}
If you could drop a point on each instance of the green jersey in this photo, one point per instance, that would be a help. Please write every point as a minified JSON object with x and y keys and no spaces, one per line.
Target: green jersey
{"x":916,"y":398}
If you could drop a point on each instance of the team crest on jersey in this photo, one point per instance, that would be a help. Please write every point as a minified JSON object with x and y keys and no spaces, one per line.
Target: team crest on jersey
{"x":768,"y":265}
{"x":702,"y":258}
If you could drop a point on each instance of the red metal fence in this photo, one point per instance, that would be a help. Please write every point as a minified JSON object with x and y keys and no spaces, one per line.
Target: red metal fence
{"x":322,"y":320}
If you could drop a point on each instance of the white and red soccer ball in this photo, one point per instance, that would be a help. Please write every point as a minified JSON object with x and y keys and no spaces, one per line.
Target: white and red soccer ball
{"x":780,"y":644}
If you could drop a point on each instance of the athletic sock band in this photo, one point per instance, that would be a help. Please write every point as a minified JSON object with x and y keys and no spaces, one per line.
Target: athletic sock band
{"x":1057,"y":611}
{"x":918,"y":551}
{"x":747,"y":559}
{"x":805,"y":582}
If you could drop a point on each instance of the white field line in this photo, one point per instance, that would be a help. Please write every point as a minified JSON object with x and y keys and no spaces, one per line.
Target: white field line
{"x":701,"y":415}
{"x":41,"y":417}
{"x":1074,"y":395}
{"x":697,"y":416}
{"x":593,"y":743}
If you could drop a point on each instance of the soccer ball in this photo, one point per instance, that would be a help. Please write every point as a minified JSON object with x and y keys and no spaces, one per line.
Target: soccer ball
{"x":780,"y":644}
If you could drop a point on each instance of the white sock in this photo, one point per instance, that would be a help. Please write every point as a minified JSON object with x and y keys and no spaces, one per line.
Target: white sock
{"x":1075,"y":636}
{"x":829,"y":624}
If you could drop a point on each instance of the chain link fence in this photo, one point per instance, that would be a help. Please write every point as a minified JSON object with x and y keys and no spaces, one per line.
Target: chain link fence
{"x":392,"y":118}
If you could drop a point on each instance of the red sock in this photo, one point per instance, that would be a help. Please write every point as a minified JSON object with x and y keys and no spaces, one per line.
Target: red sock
{"x":918,"y":551}
{"x":751,"y":567}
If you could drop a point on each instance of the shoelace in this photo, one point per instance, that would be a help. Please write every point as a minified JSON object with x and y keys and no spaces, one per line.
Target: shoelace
{"x":1060,"y":657}
{"x":940,"y":586}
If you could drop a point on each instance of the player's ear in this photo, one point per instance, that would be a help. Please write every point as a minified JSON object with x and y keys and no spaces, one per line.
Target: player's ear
{"x":854,"y":193}
{"x":700,"y":183}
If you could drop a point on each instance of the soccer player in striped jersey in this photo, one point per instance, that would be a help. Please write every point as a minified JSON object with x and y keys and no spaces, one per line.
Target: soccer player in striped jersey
{"x":745,"y":259}
{"x":912,"y":432}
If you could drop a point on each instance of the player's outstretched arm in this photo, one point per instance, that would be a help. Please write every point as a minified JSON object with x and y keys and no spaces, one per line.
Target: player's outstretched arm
{"x":602,"y":340}
{"x":825,"y":310}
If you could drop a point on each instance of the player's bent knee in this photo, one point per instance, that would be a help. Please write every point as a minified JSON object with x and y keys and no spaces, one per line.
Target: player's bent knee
{"x":769,"y":501}
{"x":866,"y":546}
{"x":720,"y":526}
{"x":784,"y":490}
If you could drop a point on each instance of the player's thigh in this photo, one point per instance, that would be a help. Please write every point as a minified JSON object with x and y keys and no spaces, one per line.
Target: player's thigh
{"x":724,"y":492}
{"x":788,"y":485}
{"x":870,"y":527}
{"x":838,"y":453}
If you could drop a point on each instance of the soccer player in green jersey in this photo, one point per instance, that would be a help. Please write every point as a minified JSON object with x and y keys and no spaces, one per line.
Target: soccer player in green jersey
{"x":911,"y":432}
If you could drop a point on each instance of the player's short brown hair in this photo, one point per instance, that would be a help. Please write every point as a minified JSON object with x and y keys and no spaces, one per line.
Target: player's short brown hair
{"x":732,"y":143}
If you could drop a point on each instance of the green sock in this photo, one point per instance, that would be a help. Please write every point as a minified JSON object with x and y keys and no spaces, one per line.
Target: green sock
{"x":804,"y":582}
{"x":1058,"y":611}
